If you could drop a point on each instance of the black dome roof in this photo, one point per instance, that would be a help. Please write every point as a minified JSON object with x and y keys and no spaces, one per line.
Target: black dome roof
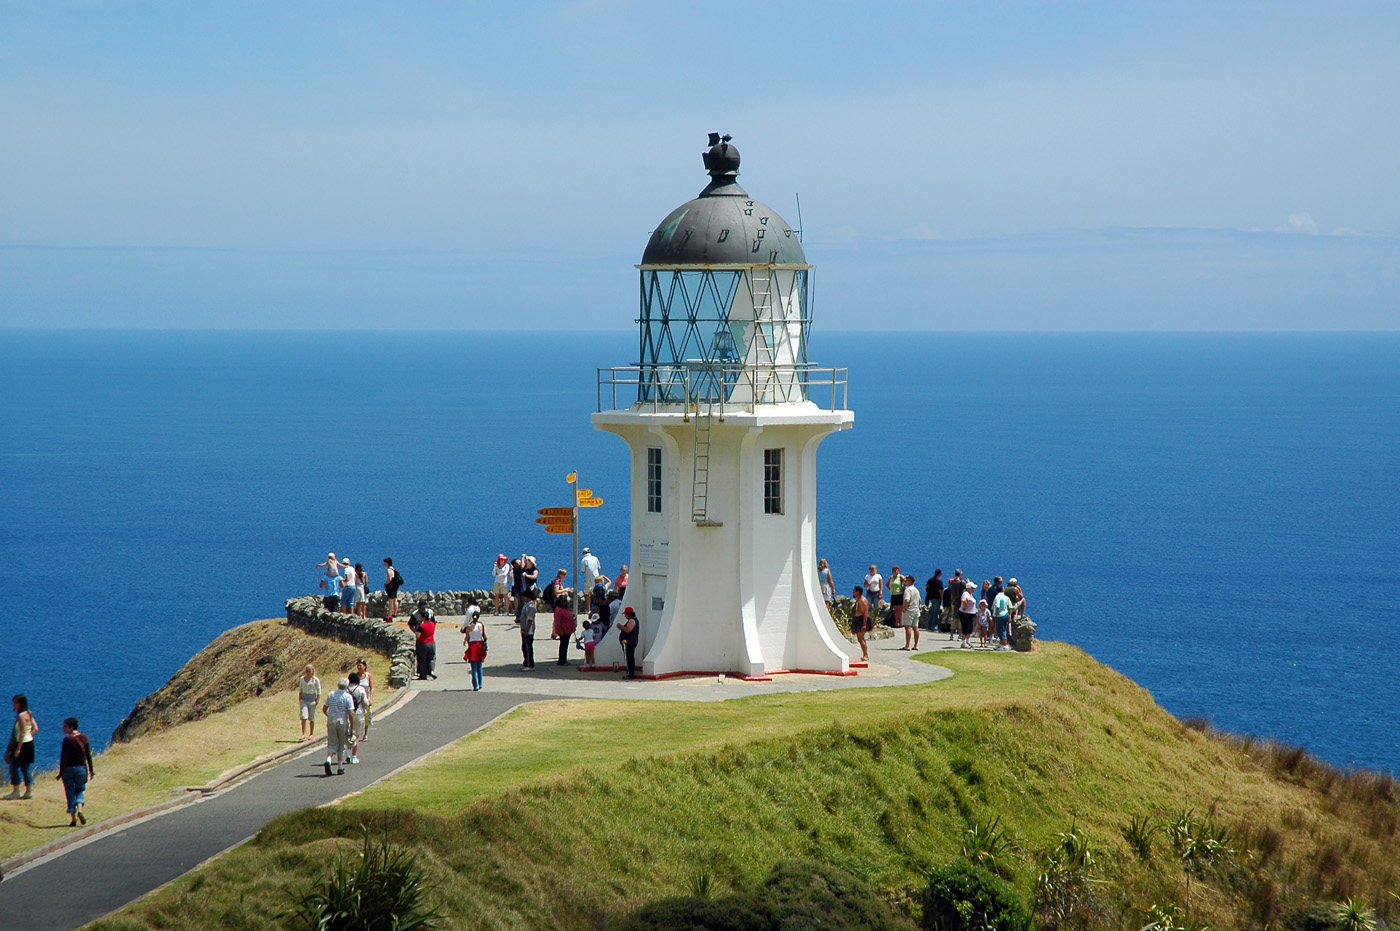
{"x":724,"y":225}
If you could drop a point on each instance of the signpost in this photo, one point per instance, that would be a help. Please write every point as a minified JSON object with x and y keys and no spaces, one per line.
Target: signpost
{"x":565,"y":520}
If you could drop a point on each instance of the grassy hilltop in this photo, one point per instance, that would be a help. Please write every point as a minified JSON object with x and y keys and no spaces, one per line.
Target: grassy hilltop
{"x":570,"y":814}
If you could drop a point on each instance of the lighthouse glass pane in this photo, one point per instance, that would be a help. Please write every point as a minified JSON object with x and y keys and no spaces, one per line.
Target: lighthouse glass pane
{"x":685,"y":333}
{"x":772,"y":481}
{"x":653,"y":479}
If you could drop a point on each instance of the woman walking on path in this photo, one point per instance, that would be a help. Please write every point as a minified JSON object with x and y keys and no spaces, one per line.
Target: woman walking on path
{"x":967,"y":613}
{"x":367,"y":681}
{"x":74,"y":769}
{"x":361,"y":590}
{"x":827,"y":584}
{"x":565,"y":623}
{"x":309,"y":693}
{"x":474,"y":639}
{"x":20,"y":753}
{"x":393,"y":581}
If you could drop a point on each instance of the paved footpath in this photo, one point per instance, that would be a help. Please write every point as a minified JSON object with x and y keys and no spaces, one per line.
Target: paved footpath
{"x":86,"y":880}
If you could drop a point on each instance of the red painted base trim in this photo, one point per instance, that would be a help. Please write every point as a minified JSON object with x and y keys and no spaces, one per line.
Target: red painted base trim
{"x":733,"y":675}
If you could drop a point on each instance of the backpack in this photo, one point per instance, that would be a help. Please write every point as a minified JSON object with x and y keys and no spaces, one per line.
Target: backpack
{"x":398,"y":577}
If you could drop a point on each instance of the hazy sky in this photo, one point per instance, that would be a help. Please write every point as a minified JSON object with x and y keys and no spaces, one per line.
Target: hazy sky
{"x":971,"y":166}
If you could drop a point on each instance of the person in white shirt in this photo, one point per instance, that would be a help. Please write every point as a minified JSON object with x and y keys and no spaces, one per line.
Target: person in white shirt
{"x":591,"y":567}
{"x":500,"y":583}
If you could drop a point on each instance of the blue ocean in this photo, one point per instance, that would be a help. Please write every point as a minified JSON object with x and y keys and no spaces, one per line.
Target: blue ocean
{"x":1216,"y":516}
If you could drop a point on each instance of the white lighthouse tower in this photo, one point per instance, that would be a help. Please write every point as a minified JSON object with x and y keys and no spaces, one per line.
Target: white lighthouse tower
{"x":722,"y":416}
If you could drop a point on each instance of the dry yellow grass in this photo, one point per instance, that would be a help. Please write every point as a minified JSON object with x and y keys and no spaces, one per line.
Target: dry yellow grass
{"x":154,"y":767}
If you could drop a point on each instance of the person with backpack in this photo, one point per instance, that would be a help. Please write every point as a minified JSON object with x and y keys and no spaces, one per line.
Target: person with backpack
{"x":526,"y":620}
{"x":474,"y":639}
{"x":393,"y":581}
{"x":359,"y":708}
{"x":423,"y":623}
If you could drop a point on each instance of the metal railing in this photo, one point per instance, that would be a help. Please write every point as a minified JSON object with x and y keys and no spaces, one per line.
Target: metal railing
{"x":731,"y":387}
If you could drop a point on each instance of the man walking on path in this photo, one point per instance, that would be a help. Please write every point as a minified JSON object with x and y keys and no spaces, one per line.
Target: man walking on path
{"x":423,"y":623}
{"x":339,"y":705}
{"x":527,"y":632}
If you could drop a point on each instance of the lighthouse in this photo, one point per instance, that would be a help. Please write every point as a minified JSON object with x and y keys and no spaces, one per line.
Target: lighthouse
{"x":722,"y":416}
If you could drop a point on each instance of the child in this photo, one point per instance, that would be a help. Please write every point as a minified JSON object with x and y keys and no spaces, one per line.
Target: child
{"x":984,"y":623}
{"x":588,"y":639}
{"x":357,"y":715}
{"x":310,"y":689}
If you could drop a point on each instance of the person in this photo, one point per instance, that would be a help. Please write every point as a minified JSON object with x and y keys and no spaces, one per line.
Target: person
{"x":367,"y":682}
{"x":309,"y":691}
{"x":423,"y":623}
{"x":500,"y":583}
{"x":517,"y":576}
{"x":529,"y":576}
{"x":347,"y":587}
{"x":620,"y":583}
{"x":589,"y":641}
{"x":933,"y":600}
{"x":393,"y":581}
{"x":1018,"y":598}
{"x":474,"y":639}
{"x":20,"y":753}
{"x":909,"y":620}
{"x":824,"y":579}
{"x":967,"y":613}
{"x":331,"y":565}
{"x":627,"y":630}
{"x":470,"y":613}
{"x":564,"y":626}
{"x":357,"y":714}
{"x":896,"y":587}
{"x":603,"y":596}
{"x":874,"y":588}
{"x":338,"y":707}
{"x":984,"y":623}
{"x":1001,"y":613}
{"x":860,"y":619}
{"x":74,"y":769}
{"x":332,"y":583}
{"x":952,"y":597}
{"x":591,"y":568}
{"x":526,"y":620}
{"x":996,"y":589}
{"x":361,"y":590}
{"x":555,"y":589}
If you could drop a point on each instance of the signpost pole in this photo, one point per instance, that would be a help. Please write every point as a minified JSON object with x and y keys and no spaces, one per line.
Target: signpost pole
{"x":572,"y":479}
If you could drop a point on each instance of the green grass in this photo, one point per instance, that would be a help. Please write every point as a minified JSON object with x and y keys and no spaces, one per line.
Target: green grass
{"x":568,"y":814}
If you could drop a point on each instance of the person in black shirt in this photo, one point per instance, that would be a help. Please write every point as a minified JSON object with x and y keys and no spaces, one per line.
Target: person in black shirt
{"x":933,"y":600}
{"x":74,"y":769}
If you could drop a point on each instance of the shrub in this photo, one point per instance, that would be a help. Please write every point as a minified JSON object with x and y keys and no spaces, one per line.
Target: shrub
{"x":962,"y":896}
{"x":385,"y":891}
{"x":690,"y":913}
{"x":1351,"y":915}
{"x":1138,"y":834}
{"x":804,"y":895}
{"x":987,"y":844}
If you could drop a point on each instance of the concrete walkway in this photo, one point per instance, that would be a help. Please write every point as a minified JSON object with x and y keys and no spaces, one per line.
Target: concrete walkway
{"x":84,"y":880}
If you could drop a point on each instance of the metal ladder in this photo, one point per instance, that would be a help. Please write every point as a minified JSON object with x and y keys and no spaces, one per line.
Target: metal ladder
{"x":763,"y":361}
{"x":700,"y":487}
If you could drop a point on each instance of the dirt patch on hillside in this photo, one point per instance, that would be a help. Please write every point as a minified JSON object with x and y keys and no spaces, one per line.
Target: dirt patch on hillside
{"x":250,"y":660}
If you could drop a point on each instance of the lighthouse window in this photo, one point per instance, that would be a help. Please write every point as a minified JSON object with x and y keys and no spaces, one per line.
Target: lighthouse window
{"x":653,"y":479}
{"x":772,"y":481}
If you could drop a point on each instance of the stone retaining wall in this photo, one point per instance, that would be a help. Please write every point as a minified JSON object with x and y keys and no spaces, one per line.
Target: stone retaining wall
{"x":371,"y":633}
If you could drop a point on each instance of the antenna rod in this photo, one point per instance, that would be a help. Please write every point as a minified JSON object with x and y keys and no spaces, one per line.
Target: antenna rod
{"x":799,"y":215}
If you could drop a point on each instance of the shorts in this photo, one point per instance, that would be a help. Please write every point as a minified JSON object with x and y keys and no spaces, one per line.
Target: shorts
{"x":897,"y":599}
{"x":500,"y":588}
{"x":358,"y":723}
{"x":348,"y":599}
{"x":308,"y":710}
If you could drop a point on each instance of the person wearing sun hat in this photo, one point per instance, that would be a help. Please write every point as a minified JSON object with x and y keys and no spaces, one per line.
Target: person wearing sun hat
{"x":500,"y":583}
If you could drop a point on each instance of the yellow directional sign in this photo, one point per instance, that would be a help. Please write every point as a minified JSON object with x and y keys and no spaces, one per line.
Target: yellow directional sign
{"x":566,"y":522}
{"x":568,"y":529}
{"x":590,"y":502}
{"x":556,"y":512}
{"x":585,"y":493}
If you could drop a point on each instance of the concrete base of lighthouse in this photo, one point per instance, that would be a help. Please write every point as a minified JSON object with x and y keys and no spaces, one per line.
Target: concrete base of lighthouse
{"x":738,"y":594}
